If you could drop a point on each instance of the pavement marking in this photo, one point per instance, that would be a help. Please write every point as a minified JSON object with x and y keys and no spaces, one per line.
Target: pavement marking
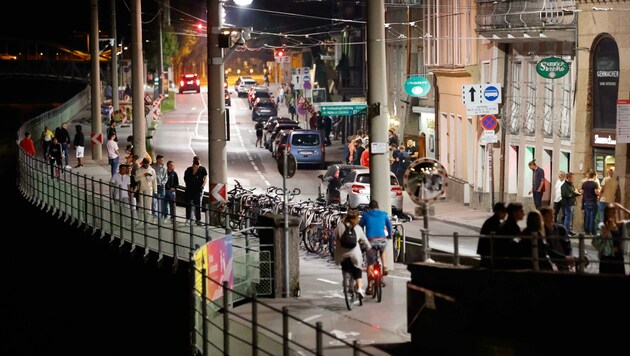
{"x":327,"y":281}
{"x":249,"y":155}
{"x":316,"y":316}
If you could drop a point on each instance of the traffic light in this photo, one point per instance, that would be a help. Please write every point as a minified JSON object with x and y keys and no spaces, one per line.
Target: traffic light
{"x":278,"y":53}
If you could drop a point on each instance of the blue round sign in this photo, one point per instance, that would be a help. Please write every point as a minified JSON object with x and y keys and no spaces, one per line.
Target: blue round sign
{"x":491,"y":93}
{"x":417,"y":86}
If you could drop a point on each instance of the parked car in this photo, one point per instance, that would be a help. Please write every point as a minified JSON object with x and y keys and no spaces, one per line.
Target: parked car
{"x":355,"y":190}
{"x":274,"y":133}
{"x":243,"y":87}
{"x":271,"y":123}
{"x":331,"y":181}
{"x":280,"y":143}
{"x":308,"y":147}
{"x":257,"y":92}
{"x":263,"y":108}
{"x":189,"y":82}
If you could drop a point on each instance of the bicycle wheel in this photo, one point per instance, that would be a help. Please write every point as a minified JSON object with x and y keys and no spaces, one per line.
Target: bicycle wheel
{"x":378,"y":289}
{"x":348,"y":290}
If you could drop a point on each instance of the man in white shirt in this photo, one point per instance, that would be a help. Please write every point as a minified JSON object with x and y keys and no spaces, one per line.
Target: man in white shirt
{"x":112,"y":153}
{"x":147,"y":181}
{"x":121,"y":186}
{"x":557,"y":202}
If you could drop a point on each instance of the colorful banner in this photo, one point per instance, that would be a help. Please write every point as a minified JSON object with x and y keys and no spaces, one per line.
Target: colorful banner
{"x":216,"y":258}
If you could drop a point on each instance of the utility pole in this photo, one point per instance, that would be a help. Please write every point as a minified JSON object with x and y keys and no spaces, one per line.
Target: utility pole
{"x":137,"y":85}
{"x":217,"y":125}
{"x":115,"y":100}
{"x":161,"y":58}
{"x":377,"y":99}
{"x":97,"y":130}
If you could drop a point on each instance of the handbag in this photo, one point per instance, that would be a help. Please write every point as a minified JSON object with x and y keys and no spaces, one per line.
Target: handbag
{"x":602,"y":245}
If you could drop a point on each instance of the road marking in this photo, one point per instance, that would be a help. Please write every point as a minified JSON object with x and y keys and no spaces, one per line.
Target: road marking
{"x":316,"y":316}
{"x":249,"y":155}
{"x":327,"y":281}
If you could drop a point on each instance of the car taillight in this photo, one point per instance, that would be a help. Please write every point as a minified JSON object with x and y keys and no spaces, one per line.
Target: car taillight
{"x":181,"y":84}
{"x":398,"y":191}
{"x":357,"y":188}
{"x":288,"y":147}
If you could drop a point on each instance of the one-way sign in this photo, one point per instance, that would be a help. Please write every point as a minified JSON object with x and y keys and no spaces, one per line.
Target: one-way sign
{"x":473,"y":94}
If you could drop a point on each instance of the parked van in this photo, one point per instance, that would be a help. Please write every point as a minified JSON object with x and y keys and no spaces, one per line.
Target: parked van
{"x":308,"y":147}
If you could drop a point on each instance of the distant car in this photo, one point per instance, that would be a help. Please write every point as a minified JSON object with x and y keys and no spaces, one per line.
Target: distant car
{"x":243,"y":87}
{"x":331,"y":181}
{"x":228,"y":98}
{"x":263,"y":108}
{"x":355,"y":190}
{"x":308,"y":147}
{"x":189,"y":82}
{"x":271,"y":123}
{"x":280,"y":143}
{"x":257,"y":92}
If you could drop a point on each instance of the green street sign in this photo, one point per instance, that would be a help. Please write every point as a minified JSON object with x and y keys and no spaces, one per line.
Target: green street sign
{"x":343,"y":109}
{"x":552,"y":68}
{"x":417,"y":86}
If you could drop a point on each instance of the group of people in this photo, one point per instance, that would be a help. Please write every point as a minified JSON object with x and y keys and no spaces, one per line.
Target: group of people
{"x":378,"y":229}
{"x":153,"y":187}
{"x":56,"y":147}
{"x":503,"y":245}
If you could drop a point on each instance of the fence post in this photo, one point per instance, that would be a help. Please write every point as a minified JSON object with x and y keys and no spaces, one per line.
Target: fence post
{"x":319,"y":348}
{"x":226,"y":319}
{"x":581,"y":253}
{"x":254,"y":324}
{"x":285,"y":331}
{"x":456,"y":249}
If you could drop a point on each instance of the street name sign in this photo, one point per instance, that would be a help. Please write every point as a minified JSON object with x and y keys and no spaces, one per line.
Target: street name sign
{"x":343,"y":108}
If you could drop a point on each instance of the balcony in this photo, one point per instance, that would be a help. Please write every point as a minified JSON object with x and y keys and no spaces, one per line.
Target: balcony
{"x":514,"y":20}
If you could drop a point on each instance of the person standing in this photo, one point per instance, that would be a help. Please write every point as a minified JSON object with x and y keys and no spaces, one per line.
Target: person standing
{"x":611,"y":260}
{"x":358,"y":151}
{"x":147,"y":185}
{"x":569,"y":194}
{"x":79,"y":145}
{"x":112,"y":153}
{"x":327,"y":129}
{"x":365,"y":157}
{"x":557,"y":201}
{"x":590,"y":193}
{"x":489,"y":227}
{"x":172,"y":183}
{"x":46,"y":138}
{"x":121,"y":182}
{"x":159,"y":200}
{"x":55,"y":157}
{"x":108,"y":92}
{"x":195,"y":178}
{"x":538,"y":183}
{"x":559,"y":246}
{"x":63,"y":136}
{"x":412,"y":150}
{"x":608,"y":192}
{"x":259,"y":132}
{"x":505,"y":246}
{"x":280,"y":94}
{"x":27,"y":145}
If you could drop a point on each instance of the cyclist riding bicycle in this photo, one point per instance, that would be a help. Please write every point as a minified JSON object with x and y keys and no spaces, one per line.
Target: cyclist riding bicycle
{"x":378,"y":228}
{"x":351,"y":259}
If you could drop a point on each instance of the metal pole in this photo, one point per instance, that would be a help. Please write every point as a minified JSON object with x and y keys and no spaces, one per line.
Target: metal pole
{"x":285,"y":211}
{"x":161,"y":58}
{"x":95,"y":122}
{"x":137,"y":82}
{"x":115,"y":99}
{"x":217,"y":157}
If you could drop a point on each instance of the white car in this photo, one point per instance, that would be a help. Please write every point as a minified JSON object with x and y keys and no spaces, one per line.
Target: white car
{"x":355,"y":190}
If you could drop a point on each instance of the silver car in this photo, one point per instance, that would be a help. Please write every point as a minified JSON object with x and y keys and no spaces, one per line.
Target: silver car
{"x":355,"y":190}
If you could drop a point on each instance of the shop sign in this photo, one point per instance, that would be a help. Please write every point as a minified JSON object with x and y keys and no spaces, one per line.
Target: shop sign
{"x":552,"y":68}
{"x":417,"y":86}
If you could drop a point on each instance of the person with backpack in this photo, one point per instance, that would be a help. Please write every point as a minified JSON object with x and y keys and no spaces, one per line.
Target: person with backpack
{"x":378,"y":229}
{"x":349,"y":237}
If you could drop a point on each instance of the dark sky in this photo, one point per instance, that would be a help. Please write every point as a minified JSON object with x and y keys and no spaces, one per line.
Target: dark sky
{"x":68,"y":22}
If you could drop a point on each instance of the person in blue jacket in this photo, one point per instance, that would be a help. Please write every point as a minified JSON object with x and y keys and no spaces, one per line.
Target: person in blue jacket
{"x":378,"y":228}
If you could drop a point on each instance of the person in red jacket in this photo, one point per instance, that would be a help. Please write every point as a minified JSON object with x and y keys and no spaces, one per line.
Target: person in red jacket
{"x":27,"y":144}
{"x":365,"y":157}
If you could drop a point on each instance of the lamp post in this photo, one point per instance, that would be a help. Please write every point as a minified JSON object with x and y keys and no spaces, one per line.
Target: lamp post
{"x":217,"y":123}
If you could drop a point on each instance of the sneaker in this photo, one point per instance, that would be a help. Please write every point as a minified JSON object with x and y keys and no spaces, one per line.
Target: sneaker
{"x":68,"y":166}
{"x":361,"y":293}
{"x":199,"y":223}
{"x":385,"y":271}
{"x":187,"y":222}
{"x":369,"y":290}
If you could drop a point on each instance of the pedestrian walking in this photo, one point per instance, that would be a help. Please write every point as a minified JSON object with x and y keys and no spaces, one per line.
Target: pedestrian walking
{"x":63,"y":137}
{"x":46,"y":138}
{"x":538,"y":183}
{"x":55,"y":157}
{"x":27,"y":144}
{"x":259,"y":132}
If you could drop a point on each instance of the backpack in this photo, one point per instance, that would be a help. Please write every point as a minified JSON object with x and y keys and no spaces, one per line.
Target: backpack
{"x":349,"y":237}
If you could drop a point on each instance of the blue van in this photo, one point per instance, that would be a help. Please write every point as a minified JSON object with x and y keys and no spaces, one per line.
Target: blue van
{"x":308,"y":147}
